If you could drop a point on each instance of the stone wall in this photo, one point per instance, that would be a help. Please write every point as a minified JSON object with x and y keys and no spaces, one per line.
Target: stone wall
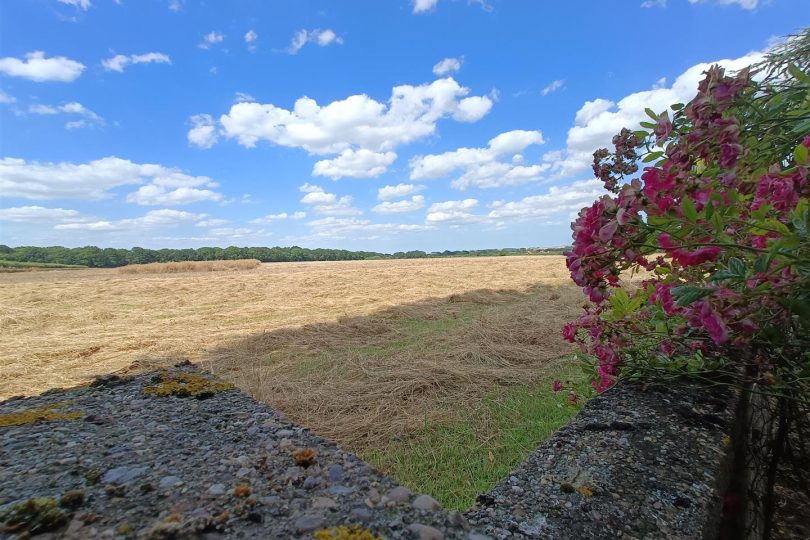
{"x":140,"y":458}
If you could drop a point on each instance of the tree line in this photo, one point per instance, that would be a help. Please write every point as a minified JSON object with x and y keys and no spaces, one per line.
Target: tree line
{"x":95,"y":257}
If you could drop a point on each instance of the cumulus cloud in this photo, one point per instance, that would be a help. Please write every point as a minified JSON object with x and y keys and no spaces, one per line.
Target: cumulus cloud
{"x":559,"y":201}
{"x":386,"y":193}
{"x":552,"y":87}
{"x":162,"y":218}
{"x":36,"y":67}
{"x":481,"y":166}
{"x":453,"y":212}
{"x":327,"y":204}
{"x":322,"y":38}
{"x":415,"y":203}
{"x":81,"y":4}
{"x":176,"y":5}
{"x":360,"y":163}
{"x":156,"y":195}
{"x":356,"y":122}
{"x":270,"y":218}
{"x":72,"y":108}
{"x":213,"y":222}
{"x":250,"y":38}
{"x":654,"y":3}
{"x":211,"y":38}
{"x":231,"y":232}
{"x":204,"y":132}
{"x":120,"y":61}
{"x":94,"y":180}
{"x":597,"y":121}
{"x":423,"y":6}
{"x":447,"y":66}
{"x":38,"y":214}
{"x":359,"y":229}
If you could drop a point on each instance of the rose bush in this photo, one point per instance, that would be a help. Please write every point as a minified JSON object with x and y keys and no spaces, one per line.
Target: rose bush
{"x":698,"y":262}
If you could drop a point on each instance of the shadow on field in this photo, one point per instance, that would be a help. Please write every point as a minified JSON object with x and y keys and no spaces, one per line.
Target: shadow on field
{"x":366,"y":380}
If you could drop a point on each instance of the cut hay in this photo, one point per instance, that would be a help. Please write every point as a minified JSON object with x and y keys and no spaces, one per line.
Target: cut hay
{"x":190,"y":266}
{"x":361,"y":351}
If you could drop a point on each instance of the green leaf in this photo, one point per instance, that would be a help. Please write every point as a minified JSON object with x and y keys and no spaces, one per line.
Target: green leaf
{"x":800,"y":154}
{"x":652,"y":156}
{"x":651,"y":114}
{"x":641,"y":134}
{"x":762,"y":263}
{"x":736,"y":266}
{"x":676,"y":106}
{"x":798,"y":73}
{"x":689,"y":209}
{"x":648,"y":125}
{"x":686,"y":294}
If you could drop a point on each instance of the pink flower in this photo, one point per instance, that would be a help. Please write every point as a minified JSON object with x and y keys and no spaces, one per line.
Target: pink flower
{"x":712,"y":323}
{"x":557,"y":385}
{"x":569,"y":332}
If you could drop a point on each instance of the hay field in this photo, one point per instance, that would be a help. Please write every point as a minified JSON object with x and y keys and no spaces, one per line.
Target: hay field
{"x":381,"y":345}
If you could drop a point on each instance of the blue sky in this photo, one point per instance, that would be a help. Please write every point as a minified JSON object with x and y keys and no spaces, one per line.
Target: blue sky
{"x":380,"y":125}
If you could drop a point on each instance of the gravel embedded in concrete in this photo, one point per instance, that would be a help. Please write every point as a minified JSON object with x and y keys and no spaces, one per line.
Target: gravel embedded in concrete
{"x":178,"y":467}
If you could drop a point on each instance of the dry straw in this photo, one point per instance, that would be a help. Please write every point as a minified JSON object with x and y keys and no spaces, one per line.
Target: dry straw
{"x":361,"y":351}
{"x":190,"y":266}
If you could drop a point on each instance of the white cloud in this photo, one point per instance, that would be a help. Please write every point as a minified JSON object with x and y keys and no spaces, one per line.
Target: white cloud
{"x":204,"y":132}
{"x":73,"y":108}
{"x":357,"y":121}
{"x":270,"y":218}
{"x":422,"y":6}
{"x":386,"y":193}
{"x":355,"y":163}
{"x":560,"y":200}
{"x":89,"y":181}
{"x":447,"y":66}
{"x":120,"y":61}
{"x":176,"y":5}
{"x":211,"y":38}
{"x":156,"y":195}
{"x":416,"y":202}
{"x":480,"y":166}
{"x":322,"y":38}
{"x":156,"y":218}
{"x":327,"y":204}
{"x":354,"y":228}
{"x":81,"y":4}
{"x":552,"y":87}
{"x":231,"y":232}
{"x":654,"y":3}
{"x":453,"y":212}
{"x":38,"y":214}
{"x":213,"y":222}
{"x":250,"y":38}
{"x":599,"y":120}
{"x":36,"y":67}
{"x":241,"y":97}
{"x":7,"y":99}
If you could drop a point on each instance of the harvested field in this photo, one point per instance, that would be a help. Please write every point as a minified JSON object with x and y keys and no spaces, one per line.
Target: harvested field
{"x":190,"y":266}
{"x":363,"y":352}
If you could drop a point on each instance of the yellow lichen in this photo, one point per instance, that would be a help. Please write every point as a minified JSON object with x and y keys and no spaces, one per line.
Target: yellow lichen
{"x":726,"y":442}
{"x":353,"y":532}
{"x":305,"y":456}
{"x":49,"y":412}
{"x":33,"y":515}
{"x":242,"y":491}
{"x":585,"y":491}
{"x":186,"y":385}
